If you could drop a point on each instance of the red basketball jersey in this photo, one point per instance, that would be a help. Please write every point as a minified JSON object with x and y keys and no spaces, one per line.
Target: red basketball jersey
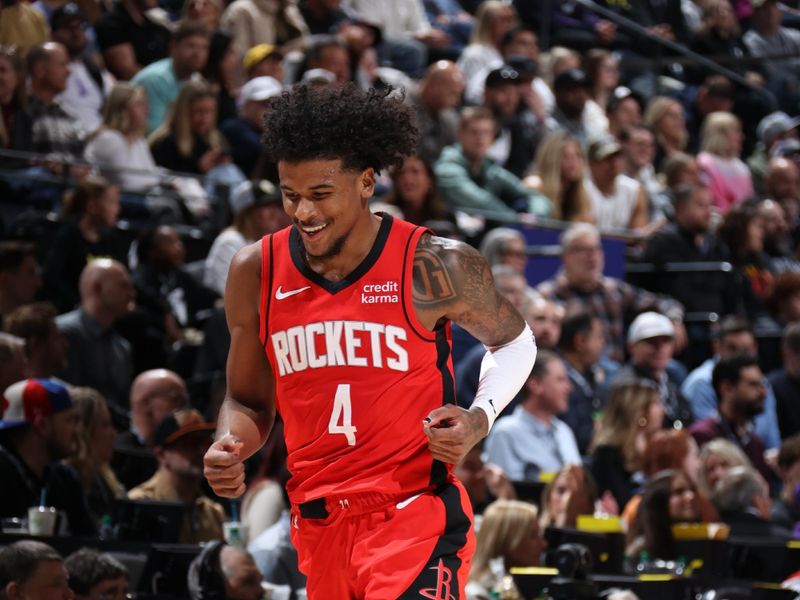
{"x":355,"y":371}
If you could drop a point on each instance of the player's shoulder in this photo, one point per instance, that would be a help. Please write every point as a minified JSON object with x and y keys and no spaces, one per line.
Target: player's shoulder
{"x":453,"y":254}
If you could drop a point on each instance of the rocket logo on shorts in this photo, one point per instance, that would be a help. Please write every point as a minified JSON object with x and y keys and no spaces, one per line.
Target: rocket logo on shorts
{"x":442,"y":590}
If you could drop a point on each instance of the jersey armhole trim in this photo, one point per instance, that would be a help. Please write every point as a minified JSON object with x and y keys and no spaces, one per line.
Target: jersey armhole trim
{"x":406,"y":294}
{"x":266,"y":287}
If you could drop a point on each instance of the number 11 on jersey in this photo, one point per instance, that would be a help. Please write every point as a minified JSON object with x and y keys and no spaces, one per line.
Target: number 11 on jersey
{"x":342,"y":412}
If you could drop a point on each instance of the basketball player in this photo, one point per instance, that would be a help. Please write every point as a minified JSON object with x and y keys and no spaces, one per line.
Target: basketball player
{"x":341,"y":322}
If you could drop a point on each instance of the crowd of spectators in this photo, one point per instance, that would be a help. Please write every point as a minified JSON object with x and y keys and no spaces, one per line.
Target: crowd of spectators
{"x":131,"y":171}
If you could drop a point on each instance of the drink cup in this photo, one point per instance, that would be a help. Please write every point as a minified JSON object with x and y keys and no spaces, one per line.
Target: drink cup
{"x":236,"y":533}
{"x":42,"y":520}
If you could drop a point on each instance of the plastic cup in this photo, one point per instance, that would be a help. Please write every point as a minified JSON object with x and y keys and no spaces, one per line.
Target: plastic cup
{"x":236,"y":533}
{"x":42,"y":520}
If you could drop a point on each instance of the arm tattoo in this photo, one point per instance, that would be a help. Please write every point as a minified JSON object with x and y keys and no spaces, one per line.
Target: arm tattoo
{"x":432,"y":283}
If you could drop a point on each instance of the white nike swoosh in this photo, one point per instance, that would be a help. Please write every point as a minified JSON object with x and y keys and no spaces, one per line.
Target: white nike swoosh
{"x":407,"y":501}
{"x":281,"y":295}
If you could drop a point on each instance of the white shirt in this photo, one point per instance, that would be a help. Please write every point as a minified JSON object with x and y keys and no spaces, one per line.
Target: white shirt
{"x":112,"y":152}
{"x":218,"y":261}
{"x":399,"y":19}
{"x":614,"y":211}
{"x":82,"y":99}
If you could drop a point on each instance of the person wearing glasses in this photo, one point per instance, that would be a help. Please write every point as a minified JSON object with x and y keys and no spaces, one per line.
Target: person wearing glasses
{"x":96,"y":575}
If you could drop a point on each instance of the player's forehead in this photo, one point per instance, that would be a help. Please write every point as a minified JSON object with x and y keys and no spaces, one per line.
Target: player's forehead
{"x":313,"y":174}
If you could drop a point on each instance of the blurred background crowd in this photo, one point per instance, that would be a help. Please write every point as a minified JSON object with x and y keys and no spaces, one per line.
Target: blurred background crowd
{"x":629,"y":169}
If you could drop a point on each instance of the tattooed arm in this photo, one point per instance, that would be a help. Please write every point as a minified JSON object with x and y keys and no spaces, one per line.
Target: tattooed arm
{"x":452,"y":281}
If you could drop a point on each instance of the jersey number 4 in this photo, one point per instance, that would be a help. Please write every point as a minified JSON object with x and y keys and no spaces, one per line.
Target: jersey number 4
{"x":342,"y":413}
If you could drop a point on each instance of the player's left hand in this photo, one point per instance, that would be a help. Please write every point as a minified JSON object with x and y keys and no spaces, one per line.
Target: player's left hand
{"x":452,"y":431}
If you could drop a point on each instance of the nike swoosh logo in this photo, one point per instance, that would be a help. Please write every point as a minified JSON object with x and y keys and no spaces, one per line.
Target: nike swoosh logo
{"x":281,"y":295}
{"x":407,"y":501}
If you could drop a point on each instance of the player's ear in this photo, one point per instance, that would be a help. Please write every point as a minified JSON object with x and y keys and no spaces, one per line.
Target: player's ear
{"x":367,"y":183}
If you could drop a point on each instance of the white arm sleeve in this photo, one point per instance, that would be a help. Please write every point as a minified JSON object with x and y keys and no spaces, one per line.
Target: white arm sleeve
{"x":504,"y":370}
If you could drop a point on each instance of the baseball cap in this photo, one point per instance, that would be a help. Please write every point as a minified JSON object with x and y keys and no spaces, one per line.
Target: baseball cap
{"x":649,"y":325}
{"x":522,"y":65}
{"x":258,"y":89}
{"x":571,"y":78}
{"x":775,"y":124}
{"x":602,"y":149}
{"x":258,"y":53}
{"x":620,"y":94}
{"x":785,"y":149}
{"x":501,"y":76}
{"x":248,"y":194}
{"x":26,"y":399}
{"x":318,"y":76}
{"x":179,"y":424}
{"x":65,"y":14}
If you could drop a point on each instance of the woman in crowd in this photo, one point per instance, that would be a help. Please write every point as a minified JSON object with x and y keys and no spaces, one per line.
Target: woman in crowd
{"x":632,"y":415}
{"x":90,"y":214}
{"x":668,"y":498}
{"x":571,"y":493}
{"x":119,"y":147}
{"x":742,"y":230}
{"x":717,"y":457}
{"x":95,"y":445}
{"x":188,"y":140}
{"x":492,"y":20}
{"x":727,"y":176}
{"x":665,"y":117}
{"x":602,"y":69}
{"x":509,"y":537}
{"x":15,"y":123}
{"x":560,"y":166}
{"x":221,"y":73}
{"x":414,"y":193}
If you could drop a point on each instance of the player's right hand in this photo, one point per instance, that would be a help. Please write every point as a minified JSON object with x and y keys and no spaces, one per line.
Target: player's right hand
{"x":224,"y":468}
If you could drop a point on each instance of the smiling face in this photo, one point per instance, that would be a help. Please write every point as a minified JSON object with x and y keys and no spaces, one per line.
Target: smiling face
{"x":327,"y":204}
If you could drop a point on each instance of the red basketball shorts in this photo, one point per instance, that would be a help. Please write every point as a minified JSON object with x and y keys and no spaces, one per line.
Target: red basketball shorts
{"x":375,"y":547}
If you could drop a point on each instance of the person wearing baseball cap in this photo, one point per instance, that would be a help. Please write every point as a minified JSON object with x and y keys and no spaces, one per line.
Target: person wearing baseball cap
{"x":651,"y":343}
{"x":245,"y":130}
{"x":571,"y":89}
{"x":179,"y":443}
{"x":38,"y":428}
{"x":257,"y":209}
{"x":263,"y":60}
{"x":776,"y":130}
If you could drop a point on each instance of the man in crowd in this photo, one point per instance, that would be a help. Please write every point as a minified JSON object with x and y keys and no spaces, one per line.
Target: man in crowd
{"x":180,"y":440}
{"x":533,"y":440}
{"x":651,"y":342}
{"x":38,"y":428}
{"x":162,"y":80}
{"x":582,"y":285}
{"x":739,"y":384}
{"x":571,"y":89}
{"x":224,"y":571}
{"x":45,"y":344}
{"x":743,"y":501}
{"x":97,"y":355}
{"x":94,"y":574}
{"x":545,"y":317}
{"x":785,"y":383}
{"x":733,"y":336}
{"x":154,"y":395}
{"x":31,"y":570}
{"x":13,"y":363}
{"x":437,"y":108}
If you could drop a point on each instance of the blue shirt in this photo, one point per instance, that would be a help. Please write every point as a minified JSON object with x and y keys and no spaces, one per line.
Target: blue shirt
{"x":161,"y":86}
{"x":699,"y":391}
{"x":524,"y":446}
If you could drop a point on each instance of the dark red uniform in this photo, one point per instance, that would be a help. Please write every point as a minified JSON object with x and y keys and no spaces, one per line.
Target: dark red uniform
{"x":374,"y":515}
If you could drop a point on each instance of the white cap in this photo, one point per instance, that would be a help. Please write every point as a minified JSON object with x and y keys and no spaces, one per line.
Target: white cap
{"x":649,"y":325}
{"x":258,"y":89}
{"x":318,"y":76}
{"x":247,"y":194}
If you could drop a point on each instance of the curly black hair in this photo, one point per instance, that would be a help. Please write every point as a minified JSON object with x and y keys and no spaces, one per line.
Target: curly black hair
{"x":362,"y":129}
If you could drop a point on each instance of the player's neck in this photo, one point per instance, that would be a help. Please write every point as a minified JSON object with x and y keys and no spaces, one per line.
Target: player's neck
{"x":356,"y":247}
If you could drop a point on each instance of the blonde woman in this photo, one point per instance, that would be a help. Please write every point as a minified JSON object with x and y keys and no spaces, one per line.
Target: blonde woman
{"x":717,"y":457}
{"x":119,"y":147}
{"x":509,"y":537}
{"x":559,"y":167}
{"x":492,"y":20}
{"x":188,"y":140}
{"x":633,"y":414}
{"x":95,"y":444}
{"x":665,"y":117}
{"x":727,"y":176}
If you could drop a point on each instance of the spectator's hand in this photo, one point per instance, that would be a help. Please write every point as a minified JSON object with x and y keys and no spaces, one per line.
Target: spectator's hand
{"x":605,"y":30}
{"x":224,"y":469}
{"x":757,"y":79}
{"x":434,"y":38}
{"x":209,"y":160}
{"x":607,"y":504}
{"x":662,"y":30}
{"x":452,"y":431}
{"x":498,"y":483}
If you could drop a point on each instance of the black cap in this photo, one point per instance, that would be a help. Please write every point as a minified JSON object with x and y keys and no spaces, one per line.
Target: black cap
{"x":179,"y":424}
{"x":65,"y":14}
{"x":522,"y":65}
{"x":621,"y":93}
{"x":571,"y":78}
{"x":502,"y":76}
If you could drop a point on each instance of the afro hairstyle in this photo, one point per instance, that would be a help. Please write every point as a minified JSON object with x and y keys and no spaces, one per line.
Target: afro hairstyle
{"x":362,"y":129}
